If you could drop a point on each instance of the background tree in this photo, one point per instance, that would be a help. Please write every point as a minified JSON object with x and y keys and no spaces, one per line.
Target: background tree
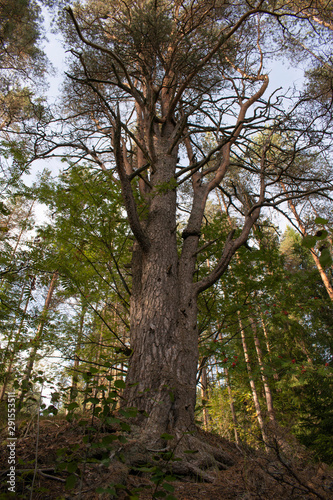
{"x":279,"y":290}
{"x":21,"y":58}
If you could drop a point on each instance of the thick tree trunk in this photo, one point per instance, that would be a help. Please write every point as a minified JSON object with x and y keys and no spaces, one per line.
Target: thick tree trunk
{"x":162,"y":373}
{"x":161,"y":379}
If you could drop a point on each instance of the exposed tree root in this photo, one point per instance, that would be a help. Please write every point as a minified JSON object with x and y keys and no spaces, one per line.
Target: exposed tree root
{"x":188,"y":456}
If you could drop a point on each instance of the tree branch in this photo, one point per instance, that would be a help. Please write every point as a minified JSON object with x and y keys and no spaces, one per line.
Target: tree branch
{"x":223,"y":39}
{"x":131,"y":89}
{"x":126,"y":189}
{"x":230,"y":248}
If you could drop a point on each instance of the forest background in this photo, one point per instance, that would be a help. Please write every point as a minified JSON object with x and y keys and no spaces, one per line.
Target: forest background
{"x":137,"y":133}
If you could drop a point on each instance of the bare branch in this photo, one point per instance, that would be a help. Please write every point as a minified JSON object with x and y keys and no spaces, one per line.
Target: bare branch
{"x":126,"y":189}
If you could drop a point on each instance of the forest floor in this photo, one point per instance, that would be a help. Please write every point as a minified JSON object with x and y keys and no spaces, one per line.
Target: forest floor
{"x":64,"y":456}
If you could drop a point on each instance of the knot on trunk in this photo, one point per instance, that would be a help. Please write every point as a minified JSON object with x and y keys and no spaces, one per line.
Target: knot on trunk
{"x":186,"y":234}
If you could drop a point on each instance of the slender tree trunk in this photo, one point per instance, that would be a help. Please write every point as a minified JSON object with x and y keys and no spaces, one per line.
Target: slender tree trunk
{"x":18,"y":240}
{"x":246,"y":352}
{"x":267,"y":390}
{"x":217,"y":380}
{"x":304,"y":349}
{"x":17,"y":337}
{"x":23,"y":229}
{"x":231,"y":399}
{"x":204,"y":396}
{"x":315,"y":257}
{"x":322,"y":273}
{"x":75,"y":376}
{"x":36,"y":340}
{"x":12,"y":355}
{"x":232,"y":406}
{"x":268,"y":347}
{"x":252,"y":385}
{"x":97,"y":380}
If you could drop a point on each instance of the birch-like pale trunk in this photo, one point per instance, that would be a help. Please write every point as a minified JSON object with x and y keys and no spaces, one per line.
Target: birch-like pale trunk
{"x":11,"y":355}
{"x":36,"y":341}
{"x":204,"y":396}
{"x":253,"y":385}
{"x":267,"y":389}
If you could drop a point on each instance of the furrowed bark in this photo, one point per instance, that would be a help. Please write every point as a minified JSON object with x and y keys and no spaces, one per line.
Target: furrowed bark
{"x":162,"y":370}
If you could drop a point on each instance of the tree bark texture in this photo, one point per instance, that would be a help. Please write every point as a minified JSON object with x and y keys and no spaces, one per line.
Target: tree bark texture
{"x":161,"y":379}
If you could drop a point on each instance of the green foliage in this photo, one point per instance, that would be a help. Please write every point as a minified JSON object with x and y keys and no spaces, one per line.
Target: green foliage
{"x":271,"y":283}
{"x":323,"y":241}
{"x":319,"y":84}
{"x":306,"y":403}
{"x":281,"y":290}
{"x":97,"y":449}
{"x":21,"y":60}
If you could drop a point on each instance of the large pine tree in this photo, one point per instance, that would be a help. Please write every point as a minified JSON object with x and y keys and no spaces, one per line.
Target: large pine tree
{"x":165,"y":96}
